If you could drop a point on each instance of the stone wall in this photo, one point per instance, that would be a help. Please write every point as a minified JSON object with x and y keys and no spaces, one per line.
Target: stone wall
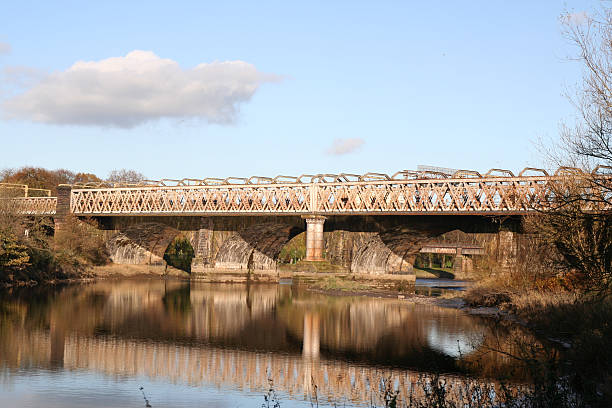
{"x":360,"y":244}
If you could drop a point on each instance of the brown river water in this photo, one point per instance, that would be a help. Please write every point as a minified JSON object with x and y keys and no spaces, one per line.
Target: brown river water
{"x":224,"y":345}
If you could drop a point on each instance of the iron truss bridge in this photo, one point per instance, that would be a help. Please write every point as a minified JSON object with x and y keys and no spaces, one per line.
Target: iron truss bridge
{"x":406,"y":192}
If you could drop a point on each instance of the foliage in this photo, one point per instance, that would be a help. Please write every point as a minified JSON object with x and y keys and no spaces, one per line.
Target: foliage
{"x":36,"y":177}
{"x":86,"y":178}
{"x":80,"y":239}
{"x":294,"y":250}
{"x":574,"y":225}
{"x":180,"y":254}
{"x":13,"y":254}
{"x":580,"y":247}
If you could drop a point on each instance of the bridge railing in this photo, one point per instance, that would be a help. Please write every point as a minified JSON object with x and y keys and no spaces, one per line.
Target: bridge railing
{"x":430,"y":196}
{"x":33,"y":205}
{"x":405,"y":192}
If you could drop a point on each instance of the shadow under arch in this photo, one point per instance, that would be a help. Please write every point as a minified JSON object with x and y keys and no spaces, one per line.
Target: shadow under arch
{"x":141,"y":244}
{"x":390,"y":243}
{"x":256,"y":247}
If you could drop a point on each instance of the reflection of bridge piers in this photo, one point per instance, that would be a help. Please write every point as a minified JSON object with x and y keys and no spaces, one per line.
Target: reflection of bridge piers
{"x":312,"y":335}
{"x":240,"y":336}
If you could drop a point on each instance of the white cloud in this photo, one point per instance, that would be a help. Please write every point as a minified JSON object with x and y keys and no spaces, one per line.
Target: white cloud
{"x":5,"y":48}
{"x":140,"y":87}
{"x":19,"y":75}
{"x":345,"y":146}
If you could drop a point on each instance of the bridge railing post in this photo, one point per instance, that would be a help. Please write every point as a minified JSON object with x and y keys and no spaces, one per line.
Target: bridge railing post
{"x":62,"y":209}
{"x":313,"y":189}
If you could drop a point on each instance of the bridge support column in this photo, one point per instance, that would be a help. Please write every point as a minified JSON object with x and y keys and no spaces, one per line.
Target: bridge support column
{"x":62,"y":210}
{"x":314,"y":237}
{"x":458,"y":262}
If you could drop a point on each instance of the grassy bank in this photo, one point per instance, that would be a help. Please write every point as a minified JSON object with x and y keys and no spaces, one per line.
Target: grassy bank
{"x":577,"y":327}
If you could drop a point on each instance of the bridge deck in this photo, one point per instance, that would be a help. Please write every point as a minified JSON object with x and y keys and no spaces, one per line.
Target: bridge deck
{"x":490,"y":195}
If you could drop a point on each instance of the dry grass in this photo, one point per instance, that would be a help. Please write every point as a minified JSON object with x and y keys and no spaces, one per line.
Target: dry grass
{"x":337,"y":283}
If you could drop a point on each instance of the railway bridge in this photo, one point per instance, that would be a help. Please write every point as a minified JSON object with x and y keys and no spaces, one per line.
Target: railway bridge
{"x":371,"y":223}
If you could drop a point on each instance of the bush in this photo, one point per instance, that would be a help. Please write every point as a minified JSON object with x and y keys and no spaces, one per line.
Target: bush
{"x":80,"y":239}
{"x":180,"y":254}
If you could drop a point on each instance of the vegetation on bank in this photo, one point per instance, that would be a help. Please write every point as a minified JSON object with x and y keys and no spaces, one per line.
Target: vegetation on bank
{"x":561,"y":283}
{"x":179,"y":254}
{"x":37,"y":177}
{"x":30,"y":249}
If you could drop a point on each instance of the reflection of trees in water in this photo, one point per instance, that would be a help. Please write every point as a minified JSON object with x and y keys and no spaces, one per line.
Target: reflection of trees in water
{"x":177,"y":301}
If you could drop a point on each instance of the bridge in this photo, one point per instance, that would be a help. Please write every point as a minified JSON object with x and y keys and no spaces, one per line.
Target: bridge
{"x":289,"y":201}
{"x":406,"y":192}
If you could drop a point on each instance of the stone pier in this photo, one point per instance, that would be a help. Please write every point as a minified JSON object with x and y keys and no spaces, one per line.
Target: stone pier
{"x":62,"y":210}
{"x":458,"y":261}
{"x":315,"y":241}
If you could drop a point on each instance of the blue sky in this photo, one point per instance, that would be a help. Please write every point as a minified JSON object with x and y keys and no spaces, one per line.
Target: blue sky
{"x":389,"y":84}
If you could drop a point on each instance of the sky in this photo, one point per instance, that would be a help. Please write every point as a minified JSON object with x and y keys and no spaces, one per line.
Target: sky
{"x":228,"y":88}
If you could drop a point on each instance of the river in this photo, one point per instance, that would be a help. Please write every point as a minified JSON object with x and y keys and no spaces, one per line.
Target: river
{"x":225,"y":345}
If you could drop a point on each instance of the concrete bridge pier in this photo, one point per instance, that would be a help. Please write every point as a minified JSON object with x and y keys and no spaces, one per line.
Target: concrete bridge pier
{"x":314,"y":237}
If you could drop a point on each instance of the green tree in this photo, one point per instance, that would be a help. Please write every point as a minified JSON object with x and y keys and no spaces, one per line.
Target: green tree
{"x":13,"y":255}
{"x":180,"y":254}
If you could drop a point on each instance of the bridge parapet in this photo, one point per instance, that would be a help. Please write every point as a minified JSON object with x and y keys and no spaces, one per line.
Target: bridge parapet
{"x":498,"y":192}
{"x":485,"y":195}
{"x":35,"y":205}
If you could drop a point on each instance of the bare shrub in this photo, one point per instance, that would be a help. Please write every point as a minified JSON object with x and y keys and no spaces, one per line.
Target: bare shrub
{"x":81,"y":239}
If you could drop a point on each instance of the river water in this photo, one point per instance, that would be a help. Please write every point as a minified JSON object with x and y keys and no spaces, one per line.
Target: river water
{"x":224,"y":345}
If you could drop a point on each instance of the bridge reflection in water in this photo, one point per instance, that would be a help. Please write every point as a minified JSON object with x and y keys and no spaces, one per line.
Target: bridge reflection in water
{"x":240,"y":337}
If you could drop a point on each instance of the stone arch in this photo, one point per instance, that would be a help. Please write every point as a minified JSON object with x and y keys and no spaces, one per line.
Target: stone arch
{"x":383,"y":245}
{"x":256,"y":247}
{"x":392,"y":251}
{"x":141,"y":244}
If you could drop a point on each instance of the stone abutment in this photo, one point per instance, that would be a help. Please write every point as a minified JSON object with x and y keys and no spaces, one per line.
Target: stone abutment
{"x":357,"y":244}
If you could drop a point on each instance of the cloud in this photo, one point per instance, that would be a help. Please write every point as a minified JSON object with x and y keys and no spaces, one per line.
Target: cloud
{"x":20,"y":76}
{"x":5,"y":48}
{"x":138,"y":88}
{"x":345,"y":146}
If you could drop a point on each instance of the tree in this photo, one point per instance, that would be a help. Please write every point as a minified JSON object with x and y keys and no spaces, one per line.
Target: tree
{"x":13,"y":255}
{"x":37,"y":177}
{"x":125,"y":176}
{"x":86,"y":178}
{"x":588,"y":142}
{"x":576,"y":220}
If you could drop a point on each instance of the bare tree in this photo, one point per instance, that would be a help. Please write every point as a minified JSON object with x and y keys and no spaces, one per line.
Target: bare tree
{"x":576,"y":221}
{"x":125,"y":176}
{"x":588,"y":142}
